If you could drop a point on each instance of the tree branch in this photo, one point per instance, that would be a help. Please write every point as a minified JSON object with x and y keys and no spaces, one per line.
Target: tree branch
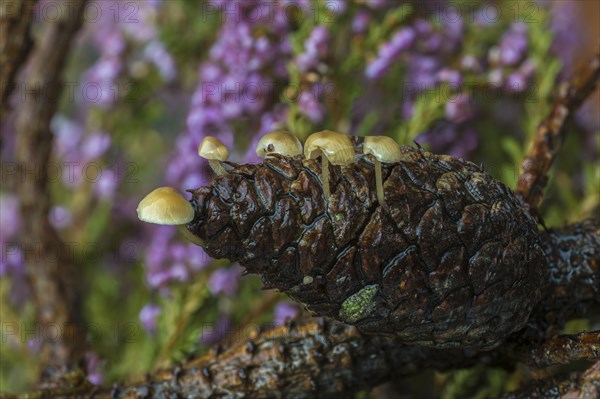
{"x":299,"y":358}
{"x":573,"y":254}
{"x":548,"y":137}
{"x":51,"y":274}
{"x":15,"y":44}
{"x":584,"y":386}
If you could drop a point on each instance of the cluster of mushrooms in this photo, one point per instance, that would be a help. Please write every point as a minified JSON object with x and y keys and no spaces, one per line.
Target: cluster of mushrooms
{"x":168,"y":207}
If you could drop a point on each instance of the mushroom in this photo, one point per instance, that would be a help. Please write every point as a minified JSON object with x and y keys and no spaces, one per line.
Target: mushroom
{"x":278,"y":142}
{"x":383,"y":149}
{"x":166,"y":206}
{"x":333,"y":147}
{"x":213,"y":150}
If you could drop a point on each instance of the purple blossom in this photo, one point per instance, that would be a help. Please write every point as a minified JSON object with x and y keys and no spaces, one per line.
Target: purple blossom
{"x":284,"y":311}
{"x":60,"y":217}
{"x":513,"y":45}
{"x":451,"y":76}
{"x":459,"y":108}
{"x":92,"y":366}
{"x":211,"y":334}
{"x":361,"y":21}
{"x":225,"y":280}
{"x":149,"y":315}
{"x":156,"y":53}
{"x":516,"y":82}
{"x":401,"y":41}
{"x":315,"y":49}
{"x":106,"y":185}
{"x":68,"y":135}
{"x":10,"y":217}
{"x":94,"y":146}
{"x":310,"y":107}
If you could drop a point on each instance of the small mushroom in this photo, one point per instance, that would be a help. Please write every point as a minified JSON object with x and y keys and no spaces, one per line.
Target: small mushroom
{"x":168,"y":207}
{"x":333,"y":147}
{"x":213,"y":150}
{"x":278,"y":142}
{"x":383,"y":149}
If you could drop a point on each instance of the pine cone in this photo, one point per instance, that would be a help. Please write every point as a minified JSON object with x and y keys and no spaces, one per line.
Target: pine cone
{"x":452,"y":260}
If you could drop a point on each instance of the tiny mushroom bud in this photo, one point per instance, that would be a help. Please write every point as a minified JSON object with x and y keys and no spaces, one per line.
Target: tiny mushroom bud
{"x":383,"y":149}
{"x":213,"y":150}
{"x":166,"y":206}
{"x":333,"y":147}
{"x":278,"y":142}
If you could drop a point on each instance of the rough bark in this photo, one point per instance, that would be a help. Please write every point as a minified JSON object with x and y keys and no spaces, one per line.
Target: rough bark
{"x":548,"y":137}
{"x":578,"y":386}
{"x":315,"y":355}
{"x":15,"y":44}
{"x":51,"y":274}
{"x":573,"y":289}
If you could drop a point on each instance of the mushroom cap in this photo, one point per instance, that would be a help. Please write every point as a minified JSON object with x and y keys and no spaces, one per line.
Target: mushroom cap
{"x":383,"y":148}
{"x":279,"y":142}
{"x":337,"y":147}
{"x":213,"y":149}
{"x":165,"y":206}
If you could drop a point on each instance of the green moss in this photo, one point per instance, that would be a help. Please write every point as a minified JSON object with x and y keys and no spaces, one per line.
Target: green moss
{"x":359,"y":305}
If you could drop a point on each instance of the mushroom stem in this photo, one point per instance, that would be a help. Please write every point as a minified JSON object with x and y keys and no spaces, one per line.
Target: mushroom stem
{"x":325,"y":175}
{"x":379,"y":183}
{"x":217,"y":167}
{"x":189,"y":236}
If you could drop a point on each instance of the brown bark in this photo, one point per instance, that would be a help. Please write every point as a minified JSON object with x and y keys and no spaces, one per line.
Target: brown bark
{"x":548,"y":137}
{"x":50,"y":271}
{"x":304,"y":359}
{"x":15,"y":44}
{"x":584,"y":386}
{"x":308,"y":356}
{"x":573,"y":254}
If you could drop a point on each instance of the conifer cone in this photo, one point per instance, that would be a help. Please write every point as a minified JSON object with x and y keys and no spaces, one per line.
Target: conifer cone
{"x":452,"y":260}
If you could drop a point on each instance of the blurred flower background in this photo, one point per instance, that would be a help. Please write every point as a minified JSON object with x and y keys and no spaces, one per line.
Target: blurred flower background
{"x":151,"y":78}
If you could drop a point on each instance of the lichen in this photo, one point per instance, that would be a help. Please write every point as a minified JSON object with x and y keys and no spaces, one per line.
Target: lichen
{"x":359,"y":305}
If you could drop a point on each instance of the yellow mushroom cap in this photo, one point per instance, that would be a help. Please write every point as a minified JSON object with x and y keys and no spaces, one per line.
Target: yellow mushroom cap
{"x":337,"y":147}
{"x":165,"y":206}
{"x":279,"y":142}
{"x":213,"y":149}
{"x":383,"y":148}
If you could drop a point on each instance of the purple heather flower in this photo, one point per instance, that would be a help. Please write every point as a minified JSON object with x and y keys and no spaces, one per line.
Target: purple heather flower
{"x":496,"y":77}
{"x":311,"y":107}
{"x":10,"y":217}
{"x":68,"y":134}
{"x":361,"y":21}
{"x":388,"y":52}
{"x":149,"y":315}
{"x":376,"y":68}
{"x":470,"y":63}
{"x":213,"y":333}
{"x":315,"y":49}
{"x":459,"y":108}
{"x":34,"y":345}
{"x":156,"y":53}
{"x":92,"y":366}
{"x":106,"y":184}
{"x":60,"y":217}
{"x":516,"y":82}
{"x":380,"y":4}
{"x":284,"y":311}
{"x":453,"y":77}
{"x":513,"y":44}
{"x":225,"y":280}
{"x":569,"y":33}
{"x":337,"y":7}
{"x":95,"y":145}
